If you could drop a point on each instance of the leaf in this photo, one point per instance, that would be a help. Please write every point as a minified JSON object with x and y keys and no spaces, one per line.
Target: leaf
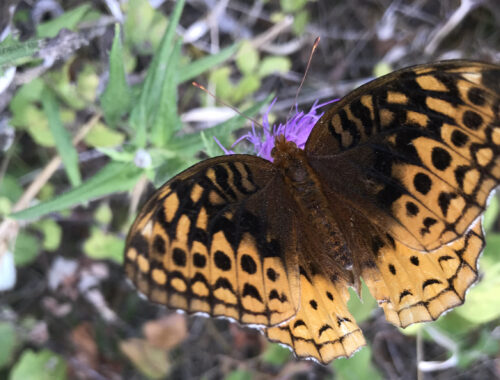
{"x":52,"y":233}
{"x":300,"y":22}
{"x":166,"y":121}
{"x":42,"y":365}
{"x":292,"y":5}
{"x":151,"y":361}
{"x":167,"y":332}
{"x":62,"y":138}
{"x":198,"y":67}
{"x":358,"y":366}
{"x":246,"y":86}
{"x":103,"y":215}
{"x":104,"y":246}
{"x":101,"y":136}
{"x":68,"y":20}
{"x":116,"y":99}
{"x":144,"y":113}
{"x":361,"y":309}
{"x":12,"y":51}
{"x":483,"y":304}
{"x":491,"y":213}
{"x":273,"y":64}
{"x":25,"y":248}
{"x":8,"y":343}
{"x":239,"y":374}
{"x":247,"y":58}
{"x":114,"y":177}
{"x":276,"y":355}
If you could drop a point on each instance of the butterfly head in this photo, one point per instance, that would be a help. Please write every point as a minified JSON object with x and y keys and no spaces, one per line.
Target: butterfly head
{"x":289,"y":158}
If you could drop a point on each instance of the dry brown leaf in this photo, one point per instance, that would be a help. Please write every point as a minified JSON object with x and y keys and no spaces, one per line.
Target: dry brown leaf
{"x":151,"y":361}
{"x":166,"y":332}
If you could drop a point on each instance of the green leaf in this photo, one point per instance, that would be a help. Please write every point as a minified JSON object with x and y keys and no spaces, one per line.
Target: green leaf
{"x":145,"y":112}
{"x":114,"y":177}
{"x":26,"y":249}
{"x":221,"y":78}
{"x":166,"y":121}
{"x":62,"y":138}
{"x":246,"y":86}
{"x":52,"y":233}
{"x":491,"y":214}
{"x":144,"y":27}
{"x":491,"y":254}
{"x":198,"y":67}
{"x":42,"y":365}
{"x":100,"y":136}
{"x":8,"y":343}
{"x":300,"y":21}
{"x":359,"y":366}
{"x":292,"y":5}
{"x":103,"y":215}
{"x":483,"y":303}
{"x":68,"y":20}
{"x":247,"y":58}
{"x":239,"y":374}
{"x":361,"y":309}
{"x":273,"y":64}
{"x":276,"y":355}
{"x":117,"y":97}
{"x":104,"y":246}
{"x":12,"y":51}
{"x":10,"y":188}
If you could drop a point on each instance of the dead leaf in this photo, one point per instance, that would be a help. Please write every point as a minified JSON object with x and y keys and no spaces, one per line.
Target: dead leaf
{"x":151,"y":361}
{"x":85,"y":346}
{"x":166,"y":332}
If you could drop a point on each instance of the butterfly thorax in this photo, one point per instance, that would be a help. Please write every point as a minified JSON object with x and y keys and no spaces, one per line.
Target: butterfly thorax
{"x":306,"y":189}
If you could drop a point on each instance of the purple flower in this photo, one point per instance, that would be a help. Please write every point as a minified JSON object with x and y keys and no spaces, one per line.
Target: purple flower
{"x":297,"y":129}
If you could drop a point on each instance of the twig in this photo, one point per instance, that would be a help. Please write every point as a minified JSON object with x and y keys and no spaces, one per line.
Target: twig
{"x":463,"y":10}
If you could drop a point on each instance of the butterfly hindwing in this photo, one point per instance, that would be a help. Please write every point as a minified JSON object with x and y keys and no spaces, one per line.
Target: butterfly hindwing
{"x":203,"y":243}
{"x":323,"y":328}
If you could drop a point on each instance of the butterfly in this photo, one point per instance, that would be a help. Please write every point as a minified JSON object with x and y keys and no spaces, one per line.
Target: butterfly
{"x":390,"y":188}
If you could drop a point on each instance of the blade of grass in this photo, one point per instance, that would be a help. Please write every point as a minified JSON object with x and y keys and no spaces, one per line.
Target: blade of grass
{"x":68,"y":20}
{"x":116,"y":98}
{"x":146,"y":109}
{"x":114,"y":177}
{"x":167,"y":122}
{"x":198,"y":67}
{"x":62,"y":138}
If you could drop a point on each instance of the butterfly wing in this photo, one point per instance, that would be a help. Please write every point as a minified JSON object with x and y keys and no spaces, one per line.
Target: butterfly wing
{"x":417,"y":151}
{"x":210,"y":241}
{"x":408,"y":162}
{"x":323,"y":329}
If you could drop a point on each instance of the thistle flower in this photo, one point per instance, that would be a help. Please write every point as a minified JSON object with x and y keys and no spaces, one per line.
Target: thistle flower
{"x":297,"y":129}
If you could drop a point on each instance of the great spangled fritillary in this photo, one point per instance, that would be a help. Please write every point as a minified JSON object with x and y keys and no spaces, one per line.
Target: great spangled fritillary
{"x":390,"y":187}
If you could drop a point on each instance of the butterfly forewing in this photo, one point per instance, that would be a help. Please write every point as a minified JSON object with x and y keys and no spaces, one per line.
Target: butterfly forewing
{"x":419,"y":148}
{"x":205,"y":243}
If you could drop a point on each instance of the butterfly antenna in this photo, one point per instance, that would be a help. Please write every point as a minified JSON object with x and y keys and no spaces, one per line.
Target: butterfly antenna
{"x":202,"y":88}
{"x":315,"y":45}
